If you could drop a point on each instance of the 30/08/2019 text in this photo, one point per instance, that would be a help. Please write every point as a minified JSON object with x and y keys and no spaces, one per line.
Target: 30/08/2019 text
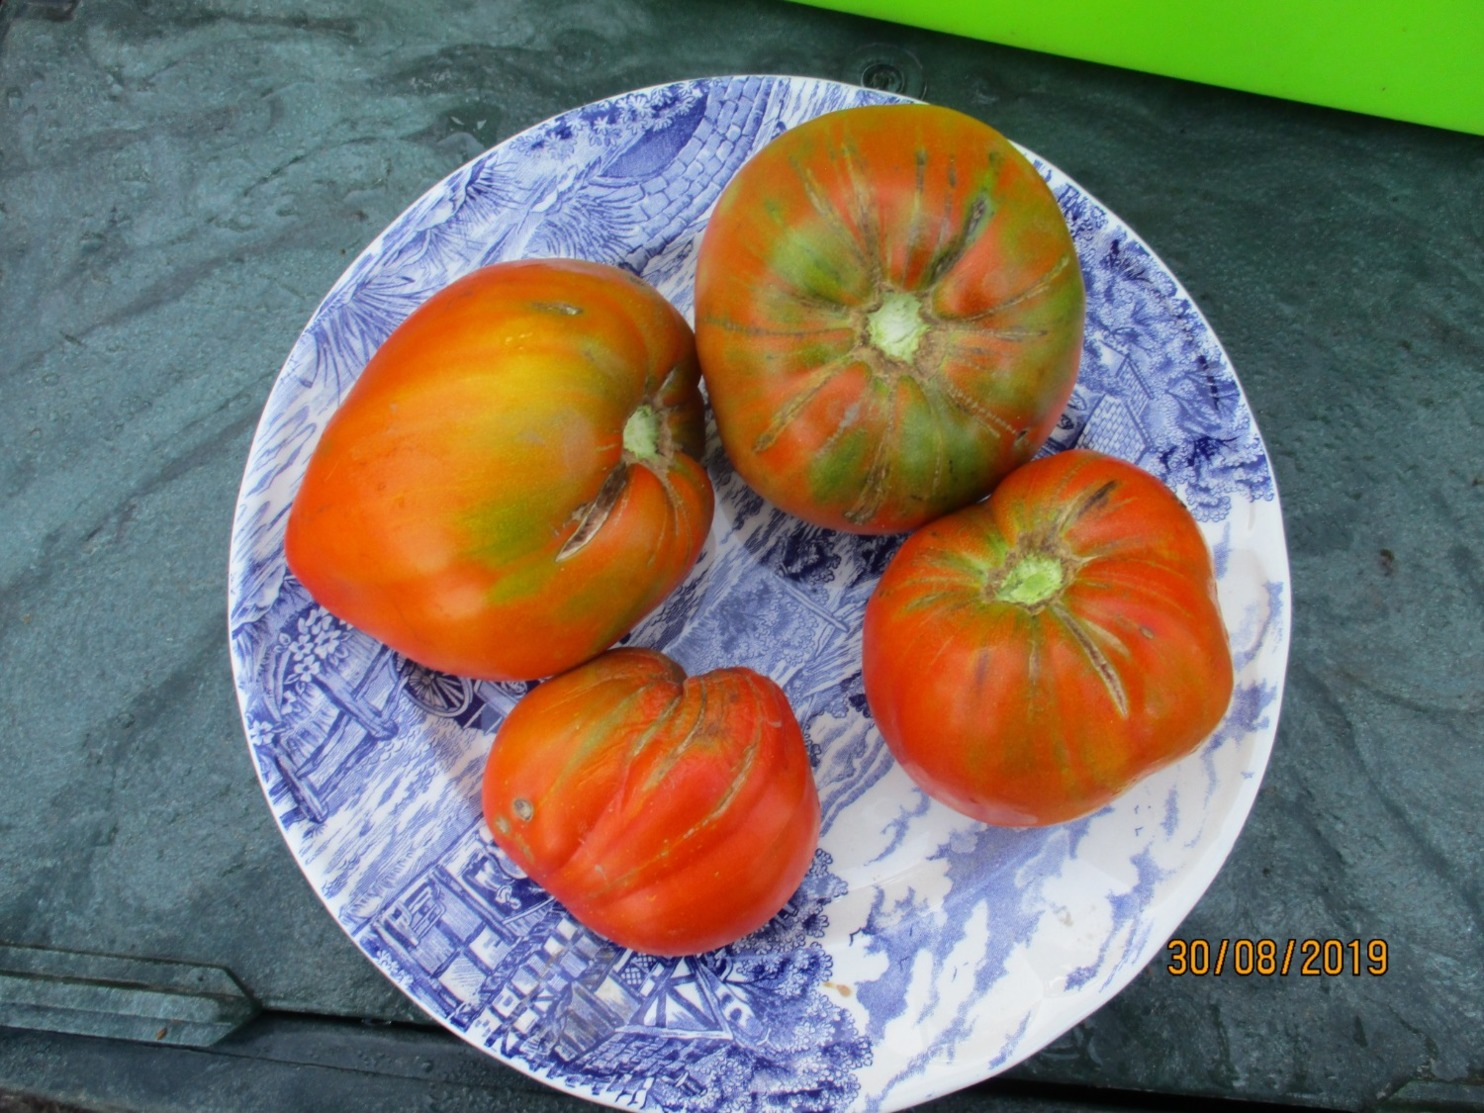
{"x":1269,"y":957}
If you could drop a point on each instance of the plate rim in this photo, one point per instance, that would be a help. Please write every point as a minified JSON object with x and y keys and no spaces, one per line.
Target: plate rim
{"x":1197,"y":876}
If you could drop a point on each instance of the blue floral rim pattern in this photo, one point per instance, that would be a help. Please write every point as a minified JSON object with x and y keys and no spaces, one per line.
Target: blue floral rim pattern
{"x":924,"y":952}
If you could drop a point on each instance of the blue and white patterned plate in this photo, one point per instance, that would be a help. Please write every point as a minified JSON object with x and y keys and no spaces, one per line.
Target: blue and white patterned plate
{"x":924,"y":951}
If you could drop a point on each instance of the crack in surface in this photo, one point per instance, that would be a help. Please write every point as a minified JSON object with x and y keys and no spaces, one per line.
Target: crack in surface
{"x":591,"y":516}
{"x":819,"y":378}
{"x":1095,"y":656}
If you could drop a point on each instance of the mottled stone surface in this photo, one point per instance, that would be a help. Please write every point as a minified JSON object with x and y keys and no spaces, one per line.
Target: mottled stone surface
{"x":181,"y":181}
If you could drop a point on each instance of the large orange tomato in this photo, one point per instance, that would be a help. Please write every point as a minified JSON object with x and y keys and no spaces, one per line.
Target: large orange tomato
{"x":670,"y":814}
{"x":1029,"y":658}
{"x":514,"y":480}
{"x":889,"y":314}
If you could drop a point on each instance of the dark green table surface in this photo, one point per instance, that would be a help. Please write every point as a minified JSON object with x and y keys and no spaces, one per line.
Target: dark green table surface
{"x":180,"y":182}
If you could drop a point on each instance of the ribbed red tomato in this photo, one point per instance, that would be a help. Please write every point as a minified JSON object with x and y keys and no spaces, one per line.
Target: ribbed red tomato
{"x":670,"y":814}
{"x":1029,"y":658}
{"x":515,"y":479}
{"x":889,"y":315}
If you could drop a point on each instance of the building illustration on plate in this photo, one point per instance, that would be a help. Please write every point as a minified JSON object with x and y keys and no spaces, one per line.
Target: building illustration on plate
{"x":487,"y":948}
{"x":1107,"y":420}
{"x":333,"y":697}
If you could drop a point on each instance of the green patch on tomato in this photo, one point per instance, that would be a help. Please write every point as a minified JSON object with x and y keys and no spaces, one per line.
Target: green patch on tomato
{"x":896,"y":276}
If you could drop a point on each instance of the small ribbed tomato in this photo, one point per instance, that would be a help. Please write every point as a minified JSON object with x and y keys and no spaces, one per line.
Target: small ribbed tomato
{"x":515,"y":479}
{"x":670,"y":814}
{"x":1029,"y":658}
{"x":889,"y":315}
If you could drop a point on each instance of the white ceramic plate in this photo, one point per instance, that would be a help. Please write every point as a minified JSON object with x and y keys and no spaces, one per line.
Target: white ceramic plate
{"x":924,"y":952}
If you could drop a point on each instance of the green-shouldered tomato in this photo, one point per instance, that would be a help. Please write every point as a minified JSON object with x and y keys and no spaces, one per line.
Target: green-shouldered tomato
{"x":1029,"y":658}
{"x":515,"y":478}
{"x":889,"y":315}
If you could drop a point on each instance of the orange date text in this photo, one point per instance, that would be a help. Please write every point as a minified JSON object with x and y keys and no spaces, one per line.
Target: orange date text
{"x":1310,"y":958}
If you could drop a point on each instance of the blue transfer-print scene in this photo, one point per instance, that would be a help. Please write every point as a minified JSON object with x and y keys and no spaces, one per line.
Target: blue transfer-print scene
{"x":503,"y":962}
{"x":918,"y":940}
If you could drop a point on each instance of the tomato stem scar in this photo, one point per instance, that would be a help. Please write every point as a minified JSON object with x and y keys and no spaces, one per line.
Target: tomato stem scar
{"x":1031,"y":580}
{"x":896,"y":327}
{"x":641,"y":433}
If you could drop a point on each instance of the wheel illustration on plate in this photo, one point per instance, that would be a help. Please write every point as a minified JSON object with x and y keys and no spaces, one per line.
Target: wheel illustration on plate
{"x":438,"y":693}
